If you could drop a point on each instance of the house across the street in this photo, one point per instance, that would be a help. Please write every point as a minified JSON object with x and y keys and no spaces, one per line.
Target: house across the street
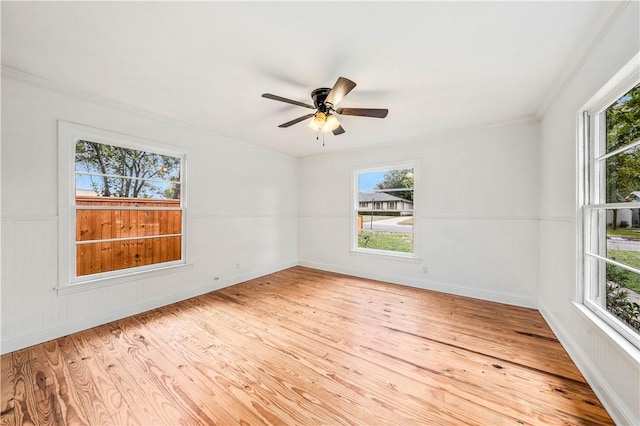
{"x":383,"y":201}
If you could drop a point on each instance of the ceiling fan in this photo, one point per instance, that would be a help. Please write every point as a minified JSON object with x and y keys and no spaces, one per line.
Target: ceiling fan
{"x":325,"y":101}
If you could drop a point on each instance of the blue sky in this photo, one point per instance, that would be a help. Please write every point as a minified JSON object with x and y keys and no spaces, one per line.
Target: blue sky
{"x":368,"y":181}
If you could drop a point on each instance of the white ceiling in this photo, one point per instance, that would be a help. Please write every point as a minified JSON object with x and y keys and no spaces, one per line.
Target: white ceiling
{"x":437,"y":66}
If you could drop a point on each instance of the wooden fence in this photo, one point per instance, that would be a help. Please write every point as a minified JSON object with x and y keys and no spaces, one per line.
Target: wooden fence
{"x":155,"y":226}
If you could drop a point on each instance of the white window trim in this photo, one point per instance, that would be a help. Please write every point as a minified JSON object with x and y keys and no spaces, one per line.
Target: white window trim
{"x":589,"y":124}
{"x":68,"y":282}
{"x":409,"y":164}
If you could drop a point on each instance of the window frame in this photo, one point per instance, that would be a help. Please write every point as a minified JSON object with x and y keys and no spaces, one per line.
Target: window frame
{"x":591,"y":288}
{"x":68,"y":280}
{"x":354,"y":249}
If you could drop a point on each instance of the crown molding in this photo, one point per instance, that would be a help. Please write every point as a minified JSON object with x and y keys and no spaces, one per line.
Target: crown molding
{"x":572,"y":69}
{"x":428,"y":137}
{"x":64,"y":89}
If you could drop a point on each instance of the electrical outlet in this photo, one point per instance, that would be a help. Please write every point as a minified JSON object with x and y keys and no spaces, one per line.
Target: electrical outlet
{"x":425,"y":270}
{"x":237,"y":265}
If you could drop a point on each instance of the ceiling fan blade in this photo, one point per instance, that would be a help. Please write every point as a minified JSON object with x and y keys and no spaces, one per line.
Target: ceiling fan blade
{"x":289,"y":101}
{"x":364,"y":112}
{"x":297,"y":120}
{"x":338,"y":130}
{"x":342,"y":87}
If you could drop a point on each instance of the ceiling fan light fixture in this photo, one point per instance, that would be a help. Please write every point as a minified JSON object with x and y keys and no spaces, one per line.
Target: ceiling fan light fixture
{"x":318,"y":121}
{"x":331,"y":124}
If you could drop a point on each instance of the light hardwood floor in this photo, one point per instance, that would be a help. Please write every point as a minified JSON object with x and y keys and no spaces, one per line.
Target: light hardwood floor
{"x":305,"y":347}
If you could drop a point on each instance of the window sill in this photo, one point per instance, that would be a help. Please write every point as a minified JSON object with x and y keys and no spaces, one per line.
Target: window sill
{"x":120,"y":279}
{"x":621,"y":342}
{"x":403,"y":257}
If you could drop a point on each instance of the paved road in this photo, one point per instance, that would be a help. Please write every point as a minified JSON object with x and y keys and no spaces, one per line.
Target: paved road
{"x":386,"y":225}
{"x":621,"y":244}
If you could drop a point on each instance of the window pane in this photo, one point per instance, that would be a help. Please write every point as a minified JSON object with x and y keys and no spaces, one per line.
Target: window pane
{"x":389,"y":241}
{"x":113,"y":160}
{"x":112,"y":187}
{"x":619,"y":242}
{"x":385,"y":214}
{"x":623,"y":295}
{"x":623,"y":120}
{"x":109,"y":224}
{"x":622,"y":172}
{"x":99,"y":257}
{"x":397,"y":182}
{"x":623,"y":241}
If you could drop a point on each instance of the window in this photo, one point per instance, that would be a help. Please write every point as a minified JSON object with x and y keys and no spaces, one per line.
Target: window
{"x":383,"y":228}
{"x":125,"y":205}
{"x":610,"y":126}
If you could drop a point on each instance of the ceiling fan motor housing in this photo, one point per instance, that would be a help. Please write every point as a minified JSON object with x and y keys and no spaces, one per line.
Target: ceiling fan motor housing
{"x":319,"y":96}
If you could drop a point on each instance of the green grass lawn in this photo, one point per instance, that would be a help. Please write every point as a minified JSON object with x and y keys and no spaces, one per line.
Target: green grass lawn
{"x":623,"y":277}
{"x":390,"y":241}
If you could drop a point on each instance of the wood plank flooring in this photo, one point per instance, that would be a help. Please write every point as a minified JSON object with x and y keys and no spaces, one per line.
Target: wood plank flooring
{"x":304,"y":347}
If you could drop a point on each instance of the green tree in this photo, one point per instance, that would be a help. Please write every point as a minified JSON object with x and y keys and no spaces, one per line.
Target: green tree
{"x":623,"y":128}
{"x":173,"y":192}
{"x":397,"y":179}
{"x":123,"y":172}
{"x":623,"y":120}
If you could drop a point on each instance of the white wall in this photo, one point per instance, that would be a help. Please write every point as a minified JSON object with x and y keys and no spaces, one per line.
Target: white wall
{"x":610,"y":368}
{"x":476,"y":220}
{"x":242,"y":206}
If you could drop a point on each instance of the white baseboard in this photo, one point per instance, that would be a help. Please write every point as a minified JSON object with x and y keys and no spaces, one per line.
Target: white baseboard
{"x":254,"y":273}
{"x":491,"y":296}
{"x":20,"y":342}
{"x":607,"y":395}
